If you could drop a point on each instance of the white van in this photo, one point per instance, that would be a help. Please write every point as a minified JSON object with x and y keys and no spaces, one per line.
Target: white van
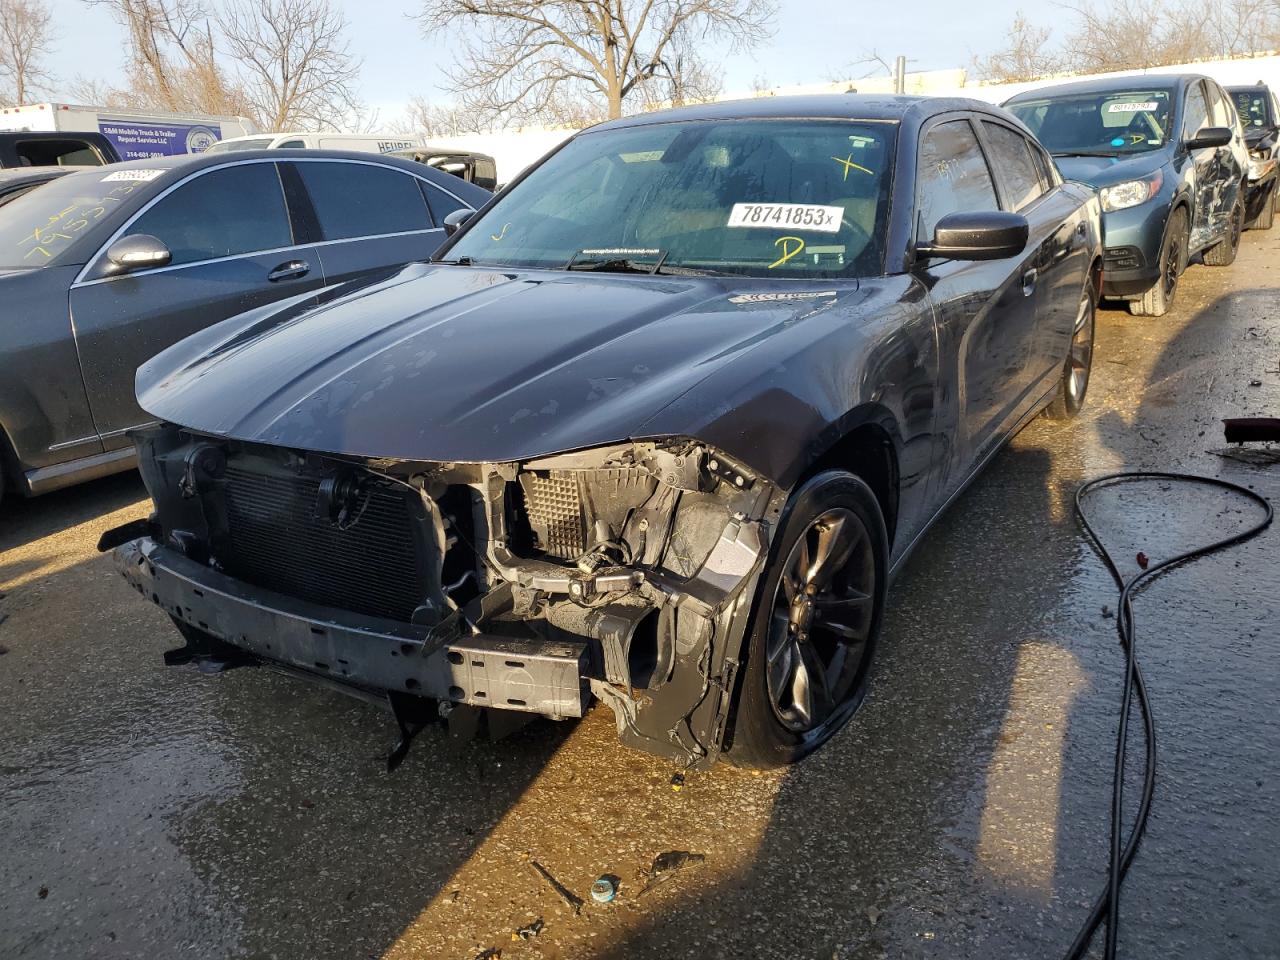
{"x":359,"y":142}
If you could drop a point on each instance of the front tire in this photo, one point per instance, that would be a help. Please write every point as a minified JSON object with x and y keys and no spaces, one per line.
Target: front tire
{"x":816,"y":622}
{"x":1223,"y":253}
{"x":1157,"y":301}
{"x":1074,"y":385}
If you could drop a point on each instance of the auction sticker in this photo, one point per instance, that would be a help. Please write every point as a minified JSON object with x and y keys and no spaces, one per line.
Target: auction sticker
{"x":1132,"y":107}
{"x":797,"y":216}
{"x":132,"y":175}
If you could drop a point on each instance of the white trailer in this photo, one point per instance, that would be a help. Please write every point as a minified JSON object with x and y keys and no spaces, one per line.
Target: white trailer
{"x":136,"y":134}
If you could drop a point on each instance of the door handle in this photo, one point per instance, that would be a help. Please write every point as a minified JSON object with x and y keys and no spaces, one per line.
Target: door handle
{"x":1029,"y":281}
{"x":289,"y":270}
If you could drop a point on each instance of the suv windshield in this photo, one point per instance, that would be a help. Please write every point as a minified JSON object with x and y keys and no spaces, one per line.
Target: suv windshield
{"x":37,"y":226}
{"x":1252,"y":107}
{"x":1105,"y":124}
{"x":750,"y":197}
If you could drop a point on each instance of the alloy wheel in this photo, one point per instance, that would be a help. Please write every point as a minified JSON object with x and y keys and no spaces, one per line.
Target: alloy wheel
{"x":1080,"y":358}
{"x":820,"y":621}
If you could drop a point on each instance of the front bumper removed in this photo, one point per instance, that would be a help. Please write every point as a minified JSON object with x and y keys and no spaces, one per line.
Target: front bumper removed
{"x":546,"y":677}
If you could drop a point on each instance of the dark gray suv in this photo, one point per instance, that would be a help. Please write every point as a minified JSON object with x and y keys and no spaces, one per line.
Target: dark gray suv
{"x":102,"y":269}
{"x":1168,"y":158}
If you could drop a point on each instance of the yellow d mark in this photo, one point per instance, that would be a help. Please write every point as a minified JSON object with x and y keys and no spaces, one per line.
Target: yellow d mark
{"x":791,"y":247}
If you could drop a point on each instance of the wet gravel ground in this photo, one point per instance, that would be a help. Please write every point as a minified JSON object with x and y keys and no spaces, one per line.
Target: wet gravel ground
{"x":153,"y":812}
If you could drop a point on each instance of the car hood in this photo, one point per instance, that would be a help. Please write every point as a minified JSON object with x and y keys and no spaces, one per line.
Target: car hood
{"x":1105,"y":171}
{"x":446,"y":363}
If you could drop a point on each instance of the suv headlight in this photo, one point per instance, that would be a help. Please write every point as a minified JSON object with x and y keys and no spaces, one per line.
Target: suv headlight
{"x":1121,"y":196}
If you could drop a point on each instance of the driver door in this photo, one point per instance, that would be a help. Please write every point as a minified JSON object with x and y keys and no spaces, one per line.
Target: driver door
{"x":1205,"y":161}
{"x":231,"y":238}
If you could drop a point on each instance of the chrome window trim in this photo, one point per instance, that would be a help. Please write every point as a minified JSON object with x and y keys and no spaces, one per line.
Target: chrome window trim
{"x":80,"y":280}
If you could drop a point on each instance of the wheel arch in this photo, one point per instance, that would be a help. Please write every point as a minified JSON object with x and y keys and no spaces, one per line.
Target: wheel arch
{"x":865,"y":443}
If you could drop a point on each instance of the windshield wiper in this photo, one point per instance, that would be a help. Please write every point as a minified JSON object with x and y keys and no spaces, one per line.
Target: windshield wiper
{"x":616,"y":260}
{"x":1085,"y":153}
{"x":460,"y":262}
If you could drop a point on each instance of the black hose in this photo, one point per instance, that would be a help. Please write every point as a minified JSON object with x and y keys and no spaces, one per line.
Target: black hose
{"x":1107,"y":906}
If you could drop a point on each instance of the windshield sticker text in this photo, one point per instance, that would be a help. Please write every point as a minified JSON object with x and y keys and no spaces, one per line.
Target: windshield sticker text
{"x":1132,"y":107}
{"x":135,"y":175}
{"x":809,"y":216}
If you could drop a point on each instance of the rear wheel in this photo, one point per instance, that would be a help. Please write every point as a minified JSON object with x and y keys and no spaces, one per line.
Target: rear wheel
{"x":816,"y":622}
{"x":1157,"y":301}
{"x":1079,"y":363}
{"x":1223,"y":253}
{"x":1266,"y":216}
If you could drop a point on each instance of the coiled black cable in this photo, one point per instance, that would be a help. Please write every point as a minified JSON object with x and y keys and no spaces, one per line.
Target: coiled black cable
{"x":1107,"y":906}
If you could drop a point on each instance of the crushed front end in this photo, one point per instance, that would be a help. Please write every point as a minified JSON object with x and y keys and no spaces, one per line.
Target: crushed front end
{"x":624,"y":573}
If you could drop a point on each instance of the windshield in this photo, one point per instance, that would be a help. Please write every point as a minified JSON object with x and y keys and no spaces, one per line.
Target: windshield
{"x":1252,"y":107}
{"x":229,"y":146}
{"x":1102,"y":124}
{"x":37,"y":226}
{"x":750,"y":197}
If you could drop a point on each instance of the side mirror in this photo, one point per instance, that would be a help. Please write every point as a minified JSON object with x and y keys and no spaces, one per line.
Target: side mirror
{"x":1210,"y":137}
{"x":136,"y":252}
{"x":992,"y":235}
{"x":453,"y":222}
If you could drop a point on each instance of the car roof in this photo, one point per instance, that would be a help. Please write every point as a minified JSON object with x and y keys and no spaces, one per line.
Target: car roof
{"x":17,"y":174}
{"x":1148,"y":81}
{"x":838,"y":106}
{"x":182,"y":164}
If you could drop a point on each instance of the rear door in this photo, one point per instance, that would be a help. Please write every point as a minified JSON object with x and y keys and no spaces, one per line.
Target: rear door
{"x":369,"y":215}
{"x":985,"y":309}
{"x":232,"y":240}
{"x":1030,"y":186}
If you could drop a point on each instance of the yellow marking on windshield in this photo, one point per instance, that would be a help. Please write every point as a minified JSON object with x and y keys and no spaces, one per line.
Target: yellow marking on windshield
{"x":848,"y":165}
{"x":788,"y":250}
{"x":495,"y":237}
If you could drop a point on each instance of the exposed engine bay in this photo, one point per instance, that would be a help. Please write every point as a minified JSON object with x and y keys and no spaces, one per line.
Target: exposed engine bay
{"x":624,"y":573}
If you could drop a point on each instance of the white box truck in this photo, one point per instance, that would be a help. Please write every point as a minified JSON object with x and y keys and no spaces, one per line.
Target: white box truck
{"x":135,"y":134}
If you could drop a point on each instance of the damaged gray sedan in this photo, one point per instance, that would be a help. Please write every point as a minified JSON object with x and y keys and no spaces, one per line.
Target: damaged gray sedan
{"x":656,"y":428}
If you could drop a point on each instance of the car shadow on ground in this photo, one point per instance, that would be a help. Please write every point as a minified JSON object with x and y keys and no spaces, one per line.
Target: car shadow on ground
{"x":24,"y":521}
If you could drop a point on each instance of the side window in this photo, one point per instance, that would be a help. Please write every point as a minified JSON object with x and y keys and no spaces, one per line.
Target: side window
{"x":363,"y":200}
{"x":289,"y":144}
{"x":1195,"y":113}
{"x":442,"y":204}
{"x":225,"y":212}
{"x":1011,"y":155}
{"x":953,"y":176}
{"x":1219,"y":111}
{"x":1048,"y":171}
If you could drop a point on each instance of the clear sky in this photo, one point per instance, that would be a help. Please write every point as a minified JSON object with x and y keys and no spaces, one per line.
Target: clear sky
{"x":813,"y":42}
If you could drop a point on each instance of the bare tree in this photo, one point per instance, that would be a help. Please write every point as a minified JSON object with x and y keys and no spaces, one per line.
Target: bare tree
{"x":426,"y":119}
{"x":25,"y":38}
{"x":525,"y":60}
{"x":295,"y":60}
{"x":172,"y":62}
{"x":1119,"y":35}
{"x":1027,"y":57}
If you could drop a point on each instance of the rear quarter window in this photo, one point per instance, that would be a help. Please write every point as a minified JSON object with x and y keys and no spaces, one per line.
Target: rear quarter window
{"x":364,"y":200}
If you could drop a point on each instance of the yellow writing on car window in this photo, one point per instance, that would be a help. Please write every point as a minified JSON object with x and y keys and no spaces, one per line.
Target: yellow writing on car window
{"x":791,"y":247}
{"x":848,"y":164}
{"x":61,"y":228}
